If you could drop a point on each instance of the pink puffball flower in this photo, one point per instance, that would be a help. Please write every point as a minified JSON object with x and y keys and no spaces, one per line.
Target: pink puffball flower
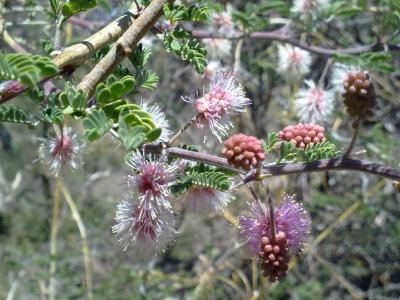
{"x":290,"y":218}
{"x":61,"y":152}
{"x":205,"y":199}
{"x":293,"y":62}
{"x":223,"y":99}
{"x":146,"y":222}
{"x":314,"y":104}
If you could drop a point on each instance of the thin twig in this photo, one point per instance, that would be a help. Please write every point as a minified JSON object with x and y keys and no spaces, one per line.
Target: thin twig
{"x":272,"y":219}
{"x":53,"y":240}
{"x":182,"y":130}
{"x":278,"y":35}
{"x":356,"y":126}
{"x":85,"y":244}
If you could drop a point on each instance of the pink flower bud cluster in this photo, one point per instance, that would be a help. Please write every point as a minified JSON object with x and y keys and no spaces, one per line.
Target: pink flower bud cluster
{"x":243,"y":151}
{"x":302,"y":135}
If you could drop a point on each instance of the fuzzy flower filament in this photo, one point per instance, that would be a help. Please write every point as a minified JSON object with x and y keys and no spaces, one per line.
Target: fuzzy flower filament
{"x":205,"y":199}
{"x":146,"y":221}
{"x":290,"y":218}
{"x":224,"y":98}
{"x":314,"y":104}
{"x":293,"y":62}
{"x":61,"y":152}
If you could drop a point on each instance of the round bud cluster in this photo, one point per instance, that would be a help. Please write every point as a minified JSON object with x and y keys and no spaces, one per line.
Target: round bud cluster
{"x":274,"y":256}
{"x":243,"y":151}
{"x":358,"y":94}
{"x":301,"y":135}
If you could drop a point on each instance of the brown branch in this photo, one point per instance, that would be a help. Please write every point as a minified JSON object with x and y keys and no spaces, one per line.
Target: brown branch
{"x":74,"y":56}
{"x":278,"y":35}
{"x":340,"y":163}
{"x":123,"y":47}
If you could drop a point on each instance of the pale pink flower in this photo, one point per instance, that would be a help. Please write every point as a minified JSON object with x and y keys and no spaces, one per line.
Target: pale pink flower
{"x":224,"y":98}
{"x":293,"y":62}
{"x":304,"y":7}
{"x":222,"y":22}
{"x":61,"y":152}
{"x":290,"y":218}
{"x":146,"y":221}
{"x":205,"y":199}
{"x":314,"y":104}
{"x":218,"y":48}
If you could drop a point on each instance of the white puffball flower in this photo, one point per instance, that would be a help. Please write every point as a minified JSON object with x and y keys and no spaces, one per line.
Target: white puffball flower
{"x":293,"y":61}
{"x":314,"y":104}
{"x":304,"y":7}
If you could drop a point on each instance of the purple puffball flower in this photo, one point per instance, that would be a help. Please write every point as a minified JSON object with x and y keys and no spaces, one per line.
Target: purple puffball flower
{"x":224,"y":98}
{"x":290,"y":218}
{"x":146,"y":221}
{"x":61,"y":152}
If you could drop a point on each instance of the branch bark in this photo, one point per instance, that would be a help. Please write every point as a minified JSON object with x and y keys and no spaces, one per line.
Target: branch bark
{"x":123,"y":47}
{"x":279,"y":35}
{"x":74,"y":56}
{"x":339,"y":163}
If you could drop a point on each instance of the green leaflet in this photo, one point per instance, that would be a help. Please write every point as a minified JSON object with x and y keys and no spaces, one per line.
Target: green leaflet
{"x":12,"y":114}
{"x":26,"y":68}
{"x":96,"y":125}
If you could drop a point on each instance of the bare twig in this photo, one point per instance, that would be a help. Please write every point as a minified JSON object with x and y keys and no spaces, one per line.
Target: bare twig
{"x":53,"y":240}
{"x":75,"y":55}
{"x":123,"y":47}
{"x":85,"y":244}
{"x":356,"y":127}
{"x":182,"y":130}
{"x":278,"y":35}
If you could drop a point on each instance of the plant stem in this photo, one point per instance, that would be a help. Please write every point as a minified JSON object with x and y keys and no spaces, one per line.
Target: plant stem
{"x":272,"y":219}
{"x":53,"y":239}
{"x":85,"y":244}
{"x":182,"y":130}
{"x":356,"y":126}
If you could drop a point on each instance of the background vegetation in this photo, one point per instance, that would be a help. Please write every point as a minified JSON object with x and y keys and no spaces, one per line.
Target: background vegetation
{"x":355,"y":240}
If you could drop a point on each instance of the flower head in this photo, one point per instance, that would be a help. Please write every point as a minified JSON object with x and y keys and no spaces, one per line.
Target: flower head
{"x":308,"y":6}
{"x":314,"y":104}
{"x":222,"y":22}
{"x":146,"y":229}
{"x":290,"y":218}
{"x":243,"y":151}
{"x":224,"y":98}
{"x":158,"y":118}
{"x":218,"y":48}
{"x":146,"y":221}
{"x":62,"y":151}
{"x":301,"y":135}
{"x":293,"y":62}
{"x":205,"y":199}
{"x":339,"y":75}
